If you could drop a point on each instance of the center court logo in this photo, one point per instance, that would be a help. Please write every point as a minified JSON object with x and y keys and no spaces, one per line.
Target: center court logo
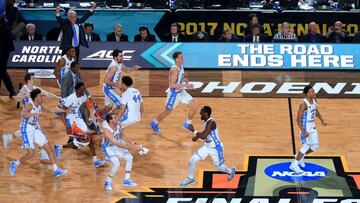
{"x":282,"y":172}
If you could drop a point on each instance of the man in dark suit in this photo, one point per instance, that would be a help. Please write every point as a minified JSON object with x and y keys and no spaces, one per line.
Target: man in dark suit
{"x":73,"y":32}
{"x":6,"y":47}
{"x":312,"y":36}
{"x":228,"y":36}
{"x":90,"y":36}
{"x":117,"y":35}
{"x":256,"y":36}
{"x":337,"y":34}
{"x":31,"y":33}
{"x":174,"y":35}
{"x":144,"y":35}
{"x":70,"y":79}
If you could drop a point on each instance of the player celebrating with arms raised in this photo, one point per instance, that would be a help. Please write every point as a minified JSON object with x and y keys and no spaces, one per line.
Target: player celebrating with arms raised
{"x":177,"y":93}
{"x":212,"y":147}
{"x":308,"y":133}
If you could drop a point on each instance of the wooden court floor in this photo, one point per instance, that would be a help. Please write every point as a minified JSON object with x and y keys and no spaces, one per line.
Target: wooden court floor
{"x":246,"y":127}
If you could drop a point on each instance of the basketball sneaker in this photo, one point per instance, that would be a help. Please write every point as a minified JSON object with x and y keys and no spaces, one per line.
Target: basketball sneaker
{"x":44,"y":155}
{"x":107,"y":186}
{"x":155,"y":127}
{"x":294,"y":167}
{"x":6,"y":140}
{"x":59,"y":172}
{"x":98,"y":163}
{"x":13,"y":168}
{"x":58,"y":151}
{"x":301,"y":162}
{"x":129,"y":182}
{"x":232,"y":174}
{"x":188,"y":181}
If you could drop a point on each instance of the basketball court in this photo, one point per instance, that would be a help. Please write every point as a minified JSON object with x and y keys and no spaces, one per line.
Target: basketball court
{"x":257,"y":138}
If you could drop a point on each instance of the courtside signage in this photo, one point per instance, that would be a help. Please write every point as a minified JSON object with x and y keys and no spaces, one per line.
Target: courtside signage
{"x":233,"y":56}
{"x":282,"y":172}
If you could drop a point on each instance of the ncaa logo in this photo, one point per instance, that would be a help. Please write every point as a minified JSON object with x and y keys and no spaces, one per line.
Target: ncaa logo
{"x":282,"y":172}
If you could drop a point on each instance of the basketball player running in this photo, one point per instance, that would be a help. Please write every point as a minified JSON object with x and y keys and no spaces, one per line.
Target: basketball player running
{"x":115,"y":147}
{"x":24,"y":97}
{"x":212,"y":147}
{"x":177,"y":93}
{"x":75,"y":110}
{"x":132,"y":104}
{"x":63,"y":64}
{"x":308,"y":134}
{"x":31,"y":133}
{"x":112,"y":82}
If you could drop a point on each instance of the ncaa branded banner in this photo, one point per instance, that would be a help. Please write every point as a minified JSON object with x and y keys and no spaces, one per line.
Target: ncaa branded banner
{"x":233,"y":56}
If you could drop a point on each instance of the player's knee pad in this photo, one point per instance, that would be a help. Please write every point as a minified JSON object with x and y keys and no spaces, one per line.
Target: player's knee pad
{"x":304,"y":148}
{"x":314,"y":147}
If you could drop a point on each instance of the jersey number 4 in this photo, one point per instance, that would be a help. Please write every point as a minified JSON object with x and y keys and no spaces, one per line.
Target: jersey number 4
{"x":137,"y":98}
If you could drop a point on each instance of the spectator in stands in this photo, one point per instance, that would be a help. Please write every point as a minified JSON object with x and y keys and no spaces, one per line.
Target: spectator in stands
{"x":357,"y":37}
{"x":89,"y":34}
{"x":175,"y":35}
{"x":312,"y":36}
{"x":15,"y":19}
{"x":117,"y":35}
{"x":256,"y":36}
{"x":253,"y":20}
{"x":31,"y":33}
{"x":6,"y":46}
{"x":336,"y":34}
{"x":285,"y":34}
{"x":228,"y":36}
{"x":70,"y":79}
{"x":73,"y":32}
{"x":144,"y":35}
{"x":200,"y":36}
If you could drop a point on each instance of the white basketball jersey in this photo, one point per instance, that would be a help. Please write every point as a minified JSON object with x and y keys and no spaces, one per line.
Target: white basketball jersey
{"x":308,"y":117}
{"x":66,"y":67}
{"x":33,"y":120}
{"x":132,"y":99}
{"x":117,"y":75}
{"x":180,"y":78}
{"x":116,"y":134}
{"x":212,"y":140}
{"x":73,"y":103}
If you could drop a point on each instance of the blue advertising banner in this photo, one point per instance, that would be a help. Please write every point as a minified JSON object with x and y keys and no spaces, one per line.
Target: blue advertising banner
{"x":235,"y":56}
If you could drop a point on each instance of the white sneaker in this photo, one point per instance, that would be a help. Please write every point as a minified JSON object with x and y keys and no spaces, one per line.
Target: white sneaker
{"x":301,"y":162}
{"x":188,"y":181}
{"x":6,"y":140}
{"x":294,"y":167}
{"x":44,"y":155}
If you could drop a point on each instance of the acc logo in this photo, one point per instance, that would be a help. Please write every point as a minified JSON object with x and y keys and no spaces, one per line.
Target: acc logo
{"x":106,"y":55}
{"x":282,"y":172}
